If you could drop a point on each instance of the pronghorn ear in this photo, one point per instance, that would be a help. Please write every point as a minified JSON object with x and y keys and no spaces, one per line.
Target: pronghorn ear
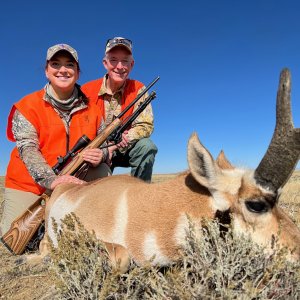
{"x":223,"y":162}
{"x":201,"y":163}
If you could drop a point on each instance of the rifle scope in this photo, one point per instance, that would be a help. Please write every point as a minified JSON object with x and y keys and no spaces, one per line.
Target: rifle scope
{"x":82,"y":142}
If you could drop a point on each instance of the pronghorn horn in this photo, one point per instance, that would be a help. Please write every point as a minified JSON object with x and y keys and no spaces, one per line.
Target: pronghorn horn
{"x":283,"y":152}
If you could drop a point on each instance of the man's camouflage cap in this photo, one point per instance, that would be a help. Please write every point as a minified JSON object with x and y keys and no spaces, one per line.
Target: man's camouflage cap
{"x":117,"y":42}
{"x":59,"y":47}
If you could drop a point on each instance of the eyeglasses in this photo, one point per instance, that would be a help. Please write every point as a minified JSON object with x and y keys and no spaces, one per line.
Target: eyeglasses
{"x":119,"y":41}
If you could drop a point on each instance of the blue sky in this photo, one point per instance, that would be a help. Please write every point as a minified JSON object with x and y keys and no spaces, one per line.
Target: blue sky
{"x":219,"y":63}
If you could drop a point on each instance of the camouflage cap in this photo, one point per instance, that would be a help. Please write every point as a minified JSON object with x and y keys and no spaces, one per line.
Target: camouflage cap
{"x":117,"y":42}
{"x":59,"y":47}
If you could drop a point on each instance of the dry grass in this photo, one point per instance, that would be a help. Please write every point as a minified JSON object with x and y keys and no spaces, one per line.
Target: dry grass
{"x":290,"y":198}
{"x":162,"y":177}
{"x":21,"y":282}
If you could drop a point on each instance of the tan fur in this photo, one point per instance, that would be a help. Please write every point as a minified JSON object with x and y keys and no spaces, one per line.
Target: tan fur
{"x":118,"y":254}
{"x":223,"y":162}
{"x":145,"y":215}
{"x":149,"y":220}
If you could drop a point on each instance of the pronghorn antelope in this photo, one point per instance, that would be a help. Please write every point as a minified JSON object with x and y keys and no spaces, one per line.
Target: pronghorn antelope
{"x":151,"y":219}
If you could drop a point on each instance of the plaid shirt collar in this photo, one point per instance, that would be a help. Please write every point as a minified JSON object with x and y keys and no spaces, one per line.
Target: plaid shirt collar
{"x":104,"y":91}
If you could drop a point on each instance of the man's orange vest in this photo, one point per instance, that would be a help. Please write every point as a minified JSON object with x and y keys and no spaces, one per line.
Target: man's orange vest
{"x":92,"y":88}
{"x":52,"y":136}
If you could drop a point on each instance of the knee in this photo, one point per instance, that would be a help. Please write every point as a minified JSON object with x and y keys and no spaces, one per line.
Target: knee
{"x":38,"y":258}
{"x":146,"y":146}
{"x":102,"y":170}
{"x":119,"y":256}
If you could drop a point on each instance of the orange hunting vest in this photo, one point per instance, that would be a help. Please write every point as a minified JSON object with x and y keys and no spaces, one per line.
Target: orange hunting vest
{"x":52,"y":136}
{"x":92,"y":88}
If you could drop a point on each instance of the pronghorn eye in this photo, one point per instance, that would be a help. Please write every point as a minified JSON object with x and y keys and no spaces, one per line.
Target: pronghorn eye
{"x":257,"y":206}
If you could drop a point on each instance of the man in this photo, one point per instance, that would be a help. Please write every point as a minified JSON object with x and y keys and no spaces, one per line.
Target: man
{"x":112,"y":94}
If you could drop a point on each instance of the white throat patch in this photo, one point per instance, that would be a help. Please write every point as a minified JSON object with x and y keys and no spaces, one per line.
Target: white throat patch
{"x":59,"y":210}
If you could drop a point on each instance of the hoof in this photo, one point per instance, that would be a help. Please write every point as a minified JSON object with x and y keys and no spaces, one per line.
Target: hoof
{"x":21,"y":260}
{"x":46,"y":260}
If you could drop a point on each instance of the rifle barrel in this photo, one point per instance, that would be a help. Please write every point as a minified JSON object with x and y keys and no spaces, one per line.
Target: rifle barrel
{"x":138,"y":97}
{"x":141,"y":107}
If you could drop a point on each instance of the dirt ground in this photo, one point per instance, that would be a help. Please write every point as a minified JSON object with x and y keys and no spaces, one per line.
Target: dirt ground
{"x":22,"y":282}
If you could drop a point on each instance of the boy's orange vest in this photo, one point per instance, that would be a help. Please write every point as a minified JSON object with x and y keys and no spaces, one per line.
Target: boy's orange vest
{"x":52,"y":136}
{"x":92,"y":88}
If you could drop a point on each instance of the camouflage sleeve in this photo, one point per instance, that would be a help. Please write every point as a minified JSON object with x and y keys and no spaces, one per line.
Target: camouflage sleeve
{"x":143,"y":125}
{"x":27,"y":143}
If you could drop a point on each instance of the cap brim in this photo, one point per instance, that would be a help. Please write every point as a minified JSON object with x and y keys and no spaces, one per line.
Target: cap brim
{"x":118,"y":45}
{"x":59,"y":50}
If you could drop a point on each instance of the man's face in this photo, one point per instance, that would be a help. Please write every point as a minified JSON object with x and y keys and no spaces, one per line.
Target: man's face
{"x":118,"y":62}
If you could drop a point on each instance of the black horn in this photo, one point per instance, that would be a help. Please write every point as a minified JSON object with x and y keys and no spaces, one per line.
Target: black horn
{"x":283,"y":153}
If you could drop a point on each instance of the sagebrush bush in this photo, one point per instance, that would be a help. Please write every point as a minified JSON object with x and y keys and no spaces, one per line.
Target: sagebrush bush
{"x":213,"y":266}
{"x":80,"y":262}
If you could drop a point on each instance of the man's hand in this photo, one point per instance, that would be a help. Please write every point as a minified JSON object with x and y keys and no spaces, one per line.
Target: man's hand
{"x":65,"y":179}
{"x":124,"y":142}
{"x":111,"y":150}
{"x":93,"y":156}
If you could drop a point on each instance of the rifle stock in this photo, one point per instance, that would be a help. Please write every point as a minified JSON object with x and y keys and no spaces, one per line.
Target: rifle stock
{"x":25,"y":226}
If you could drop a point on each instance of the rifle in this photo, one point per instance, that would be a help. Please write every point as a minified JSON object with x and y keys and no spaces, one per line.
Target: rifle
{"x":25,"y":226}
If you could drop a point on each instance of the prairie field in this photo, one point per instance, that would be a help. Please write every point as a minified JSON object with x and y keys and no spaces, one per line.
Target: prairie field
{"x":49,"y":281}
